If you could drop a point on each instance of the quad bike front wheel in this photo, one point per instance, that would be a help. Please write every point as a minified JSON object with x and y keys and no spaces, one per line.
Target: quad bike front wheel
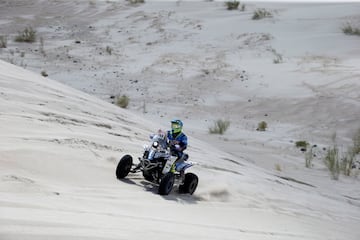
{"x":124,"y":166}
{"x":166,"y":184}
{"x":190,"y":183}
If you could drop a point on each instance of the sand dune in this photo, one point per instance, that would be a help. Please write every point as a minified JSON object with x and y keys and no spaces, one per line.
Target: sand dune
{"x":61,"y":137}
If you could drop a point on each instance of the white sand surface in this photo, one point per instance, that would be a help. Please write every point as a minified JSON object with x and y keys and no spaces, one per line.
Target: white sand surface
{"x":61,"y":138}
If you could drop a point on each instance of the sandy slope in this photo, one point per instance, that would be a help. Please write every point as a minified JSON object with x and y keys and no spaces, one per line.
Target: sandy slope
{"x":167,"y":57}
{"x":59,"y":149}
{"x":59,"y":146}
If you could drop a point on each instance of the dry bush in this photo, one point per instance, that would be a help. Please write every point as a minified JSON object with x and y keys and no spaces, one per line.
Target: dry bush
{"x":278,"y":167}
{"x":44,"y":73}
{"x":342,"y":162}
{"x":277,"y":57}
{"x":109,"y":50}
{"x":309,"y":156}
{"x":3,"y":42}
{"x":136,"y":1}
{"x":243,"y":8}
{"x":27,"y":35}
{"x":261,"y":13}
{"x":347,"y":162}
{"x":350,"y":30}
{"x":232,"y":5}
{"x":262,"y":126}
{"x":332,"y":162}
{"x":123,"y":101}
{"x":220,"y":127}
{"x":356,"y":142}
{"x":302,"y":144}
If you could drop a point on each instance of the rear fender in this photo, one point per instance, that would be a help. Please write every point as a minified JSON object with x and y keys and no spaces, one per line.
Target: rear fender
{"x":183,"y":166}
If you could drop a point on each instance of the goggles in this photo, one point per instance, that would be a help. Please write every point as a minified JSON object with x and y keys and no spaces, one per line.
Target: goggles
{"x":175,"y":126}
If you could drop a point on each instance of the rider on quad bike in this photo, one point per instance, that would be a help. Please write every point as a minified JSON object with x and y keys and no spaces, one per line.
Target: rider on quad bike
{"x":163,"y":162}
{"x":177,"y":142}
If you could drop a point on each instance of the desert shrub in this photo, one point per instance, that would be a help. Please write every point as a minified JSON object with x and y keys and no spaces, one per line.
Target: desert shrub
{"x":309,"y":157}
{"x":302,"y":144}
{"x":332,"y":162}
{"x":136,"y":1}
{"x":243,"y":8}
{"x":27,"y":35}
{"x":356,"y":142}
{"x":278,"y":167}
{"x":220,"y":127}
{"x":344,"y":162}
{"x":123,"y":101}
{"x":261,"y":13}
{"x":44,"y":74}
{"x":278,"y":58}
{"x":41,"y":47}
{"x":109,"y":50}
{"x":3,"y":42}
{"x":232,"y":5}
{"x":262,"y":126}
{"x":347,"y":162}
{"x":144,"y":107}
{"x":350,"y":30}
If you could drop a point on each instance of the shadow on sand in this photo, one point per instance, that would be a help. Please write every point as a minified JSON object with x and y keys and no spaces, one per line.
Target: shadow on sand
{"x":153,"y":188}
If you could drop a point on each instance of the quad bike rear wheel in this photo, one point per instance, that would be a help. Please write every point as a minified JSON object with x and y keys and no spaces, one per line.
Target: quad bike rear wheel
{"x":166,"y":184}
{"x":190,"y":183}
{"x":124,"y":166}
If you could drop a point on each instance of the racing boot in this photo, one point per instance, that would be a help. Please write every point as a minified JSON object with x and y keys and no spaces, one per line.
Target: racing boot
{"x":182,"y":177}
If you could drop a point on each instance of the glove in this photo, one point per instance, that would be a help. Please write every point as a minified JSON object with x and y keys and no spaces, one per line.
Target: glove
{"x":177,"y":147}
{"x":161,"y":133}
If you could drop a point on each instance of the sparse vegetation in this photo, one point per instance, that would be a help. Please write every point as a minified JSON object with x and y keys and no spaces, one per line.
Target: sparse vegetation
{"x":344,"y":162}
{"x":232,"y":5}
{"x":3,"y":42}
{"x":27,"y":35}
{"x":92,"y":3}
{"x":309,"y":157}
{"x":347,"y":162}
{"x":136,"y":1}
{"x":41,"y":47}
{"x":220,"y":127}
{"x":109,"y":50}
{"x":278,"y":58}
{"x":350,"y":30}
{"x":44,"y":73}
{"x":144,"y":107}
{"x":123,"y":101}
{"x":332,"y":162}
{"x":261,"y":13}
{"x":243,"y":8}
{"x":278,"y":167}
{"x":301,"y":144}
{"x":356,"y":142}
{"x":262,"y":126}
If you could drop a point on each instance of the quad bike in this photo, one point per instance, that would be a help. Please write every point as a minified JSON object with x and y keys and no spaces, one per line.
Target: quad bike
{"x":159,"y":166}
